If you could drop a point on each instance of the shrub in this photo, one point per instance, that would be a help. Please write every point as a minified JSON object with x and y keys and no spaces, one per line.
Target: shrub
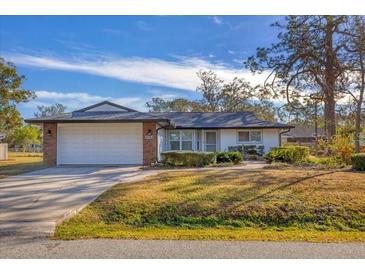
{"x":249,"y":149}
{"x":223,"y":157}
{"x":229,"y":157}
{"x":236,"y":157}
{"x":358,"y":161}
{"x":260,"y":150}
{"x":342,"y":147}
{"x":288,"y":154}
{"x":188,"y":158}
{"x":235,"y":149}
{"x":330,"y":162}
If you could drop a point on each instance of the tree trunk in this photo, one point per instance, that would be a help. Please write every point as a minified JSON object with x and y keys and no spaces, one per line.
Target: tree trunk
{"x":359,"y":105}
{"x":329,"y":88}
{"x":357,"y":129}
{"x":316,"y":127}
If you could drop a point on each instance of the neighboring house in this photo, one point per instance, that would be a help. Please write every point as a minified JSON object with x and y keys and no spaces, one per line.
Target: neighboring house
{"x":107,"y":133}
{"x":302,"y":135}
{"x":3,"y":148}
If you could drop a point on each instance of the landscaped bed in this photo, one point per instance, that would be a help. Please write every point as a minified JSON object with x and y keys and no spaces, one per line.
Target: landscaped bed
{"x":291,"y":204}
{"x":19,"y":162}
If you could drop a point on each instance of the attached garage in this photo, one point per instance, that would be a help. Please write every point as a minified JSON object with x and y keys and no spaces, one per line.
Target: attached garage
{"x":99,"y":143}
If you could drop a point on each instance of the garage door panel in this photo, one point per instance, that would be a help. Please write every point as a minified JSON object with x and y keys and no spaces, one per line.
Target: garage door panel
{"x":100,"y":143}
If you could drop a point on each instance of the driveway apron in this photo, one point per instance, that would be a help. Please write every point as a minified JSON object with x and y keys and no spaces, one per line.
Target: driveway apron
{"x":35,"y":202}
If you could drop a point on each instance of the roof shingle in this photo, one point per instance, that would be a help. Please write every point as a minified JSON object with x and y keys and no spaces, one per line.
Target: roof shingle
{"x":177,"y":119}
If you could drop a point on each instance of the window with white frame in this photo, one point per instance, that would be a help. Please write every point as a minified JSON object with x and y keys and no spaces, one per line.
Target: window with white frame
{"x":249,"y":136}
{"x":180,"y":140}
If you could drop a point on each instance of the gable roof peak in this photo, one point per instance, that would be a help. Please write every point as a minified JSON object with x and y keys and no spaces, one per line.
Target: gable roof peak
{"x":112,"y":108}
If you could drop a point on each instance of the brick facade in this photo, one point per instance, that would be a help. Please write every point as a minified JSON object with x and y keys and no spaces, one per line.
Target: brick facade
{"x":149,"y":143}
{"x":50,"y":144}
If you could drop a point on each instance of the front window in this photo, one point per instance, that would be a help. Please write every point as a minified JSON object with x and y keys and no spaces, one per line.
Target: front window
{"x":181,"y":140}
{"x":249,"y":136}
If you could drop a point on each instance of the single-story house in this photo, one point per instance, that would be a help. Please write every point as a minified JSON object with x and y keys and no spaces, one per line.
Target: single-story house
{"x":110,"y":134}
{"x":302,"y":135}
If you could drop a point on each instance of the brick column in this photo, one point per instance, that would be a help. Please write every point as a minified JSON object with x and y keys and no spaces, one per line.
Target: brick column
{"x":50,"y":144}
{"x":149,"y":143}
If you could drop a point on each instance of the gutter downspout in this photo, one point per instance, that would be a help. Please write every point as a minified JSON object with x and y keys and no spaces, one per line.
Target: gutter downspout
{"x":157,"y":145}
{"x":280,"y":133}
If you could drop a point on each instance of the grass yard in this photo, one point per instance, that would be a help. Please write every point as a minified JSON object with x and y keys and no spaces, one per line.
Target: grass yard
{"x":278,"y":205}
{"x":19,"y":162}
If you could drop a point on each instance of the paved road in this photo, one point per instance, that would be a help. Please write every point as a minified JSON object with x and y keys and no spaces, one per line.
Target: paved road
{"x":103,"y":248}
{"x":32,"y":203}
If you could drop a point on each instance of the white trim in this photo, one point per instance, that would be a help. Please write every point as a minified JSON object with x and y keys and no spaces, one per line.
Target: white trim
{"x":180,"y":139}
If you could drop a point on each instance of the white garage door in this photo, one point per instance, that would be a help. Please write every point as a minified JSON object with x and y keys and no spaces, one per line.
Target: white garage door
{"x":95,"y":143}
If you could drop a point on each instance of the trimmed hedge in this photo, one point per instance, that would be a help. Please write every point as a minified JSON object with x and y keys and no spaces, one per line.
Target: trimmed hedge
{"x":288,"y":154}
{"x":188,"y":158}
{"x":247,"y":150}
{"x":358,"y":161}
{"x":229,"y":157}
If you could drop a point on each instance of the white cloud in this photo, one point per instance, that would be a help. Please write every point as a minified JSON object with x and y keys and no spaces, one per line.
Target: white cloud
{"x":232,"y":52}
{"x":180,"y":73}
{"x":217,"y":20}
{"x":142,"y":25}
{"x":78,"y":100}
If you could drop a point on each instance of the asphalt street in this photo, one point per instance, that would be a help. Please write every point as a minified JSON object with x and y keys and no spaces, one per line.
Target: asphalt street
{"x":30,"y":247}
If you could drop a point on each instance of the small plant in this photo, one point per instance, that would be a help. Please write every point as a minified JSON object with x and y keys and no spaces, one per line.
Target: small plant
{"x":288,"y":154}
{"x":188,"y":158}
{"x":229,"y":157}
{"x":358,"y":161}
{"x":260,"y":150}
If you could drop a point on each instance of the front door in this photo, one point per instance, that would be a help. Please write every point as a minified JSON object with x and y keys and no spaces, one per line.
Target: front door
{"x":211,"y":141}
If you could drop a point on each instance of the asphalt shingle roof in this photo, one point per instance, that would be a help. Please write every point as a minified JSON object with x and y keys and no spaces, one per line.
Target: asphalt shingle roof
{"x":177,"y":119}
{"x":217,"y":120}
{"x":97,"y":116}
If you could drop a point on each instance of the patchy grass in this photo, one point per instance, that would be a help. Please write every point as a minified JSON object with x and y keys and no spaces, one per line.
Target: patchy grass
{"x":291,"y":204}
{"x":19,"y":162}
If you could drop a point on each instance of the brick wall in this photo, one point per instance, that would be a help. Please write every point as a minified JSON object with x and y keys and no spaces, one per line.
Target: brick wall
{"x":149,"y":143}
{"x":50,"y":144}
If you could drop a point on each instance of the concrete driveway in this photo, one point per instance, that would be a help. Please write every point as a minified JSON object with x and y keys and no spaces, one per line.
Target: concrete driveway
{"x":34,"y":202}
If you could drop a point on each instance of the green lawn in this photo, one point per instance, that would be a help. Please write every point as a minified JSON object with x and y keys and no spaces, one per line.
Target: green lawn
{"x":19,"y":162}
{"x":291,"y":204}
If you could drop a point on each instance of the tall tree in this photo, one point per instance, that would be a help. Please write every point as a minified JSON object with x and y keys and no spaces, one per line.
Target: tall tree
{"x":11,"y":94}
{"x":24,"y":136}
{"x":211,"y":90}
{"x":45,"y":111}
{"x":354,"y":40}
{"x":304,"y":60}
{"x":158,"y":104}
{"x":217,"y":95}
{"x":236,"y":94}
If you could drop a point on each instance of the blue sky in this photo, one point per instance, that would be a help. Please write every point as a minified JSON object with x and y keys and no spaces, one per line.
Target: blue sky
{"x":81,"y":60}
